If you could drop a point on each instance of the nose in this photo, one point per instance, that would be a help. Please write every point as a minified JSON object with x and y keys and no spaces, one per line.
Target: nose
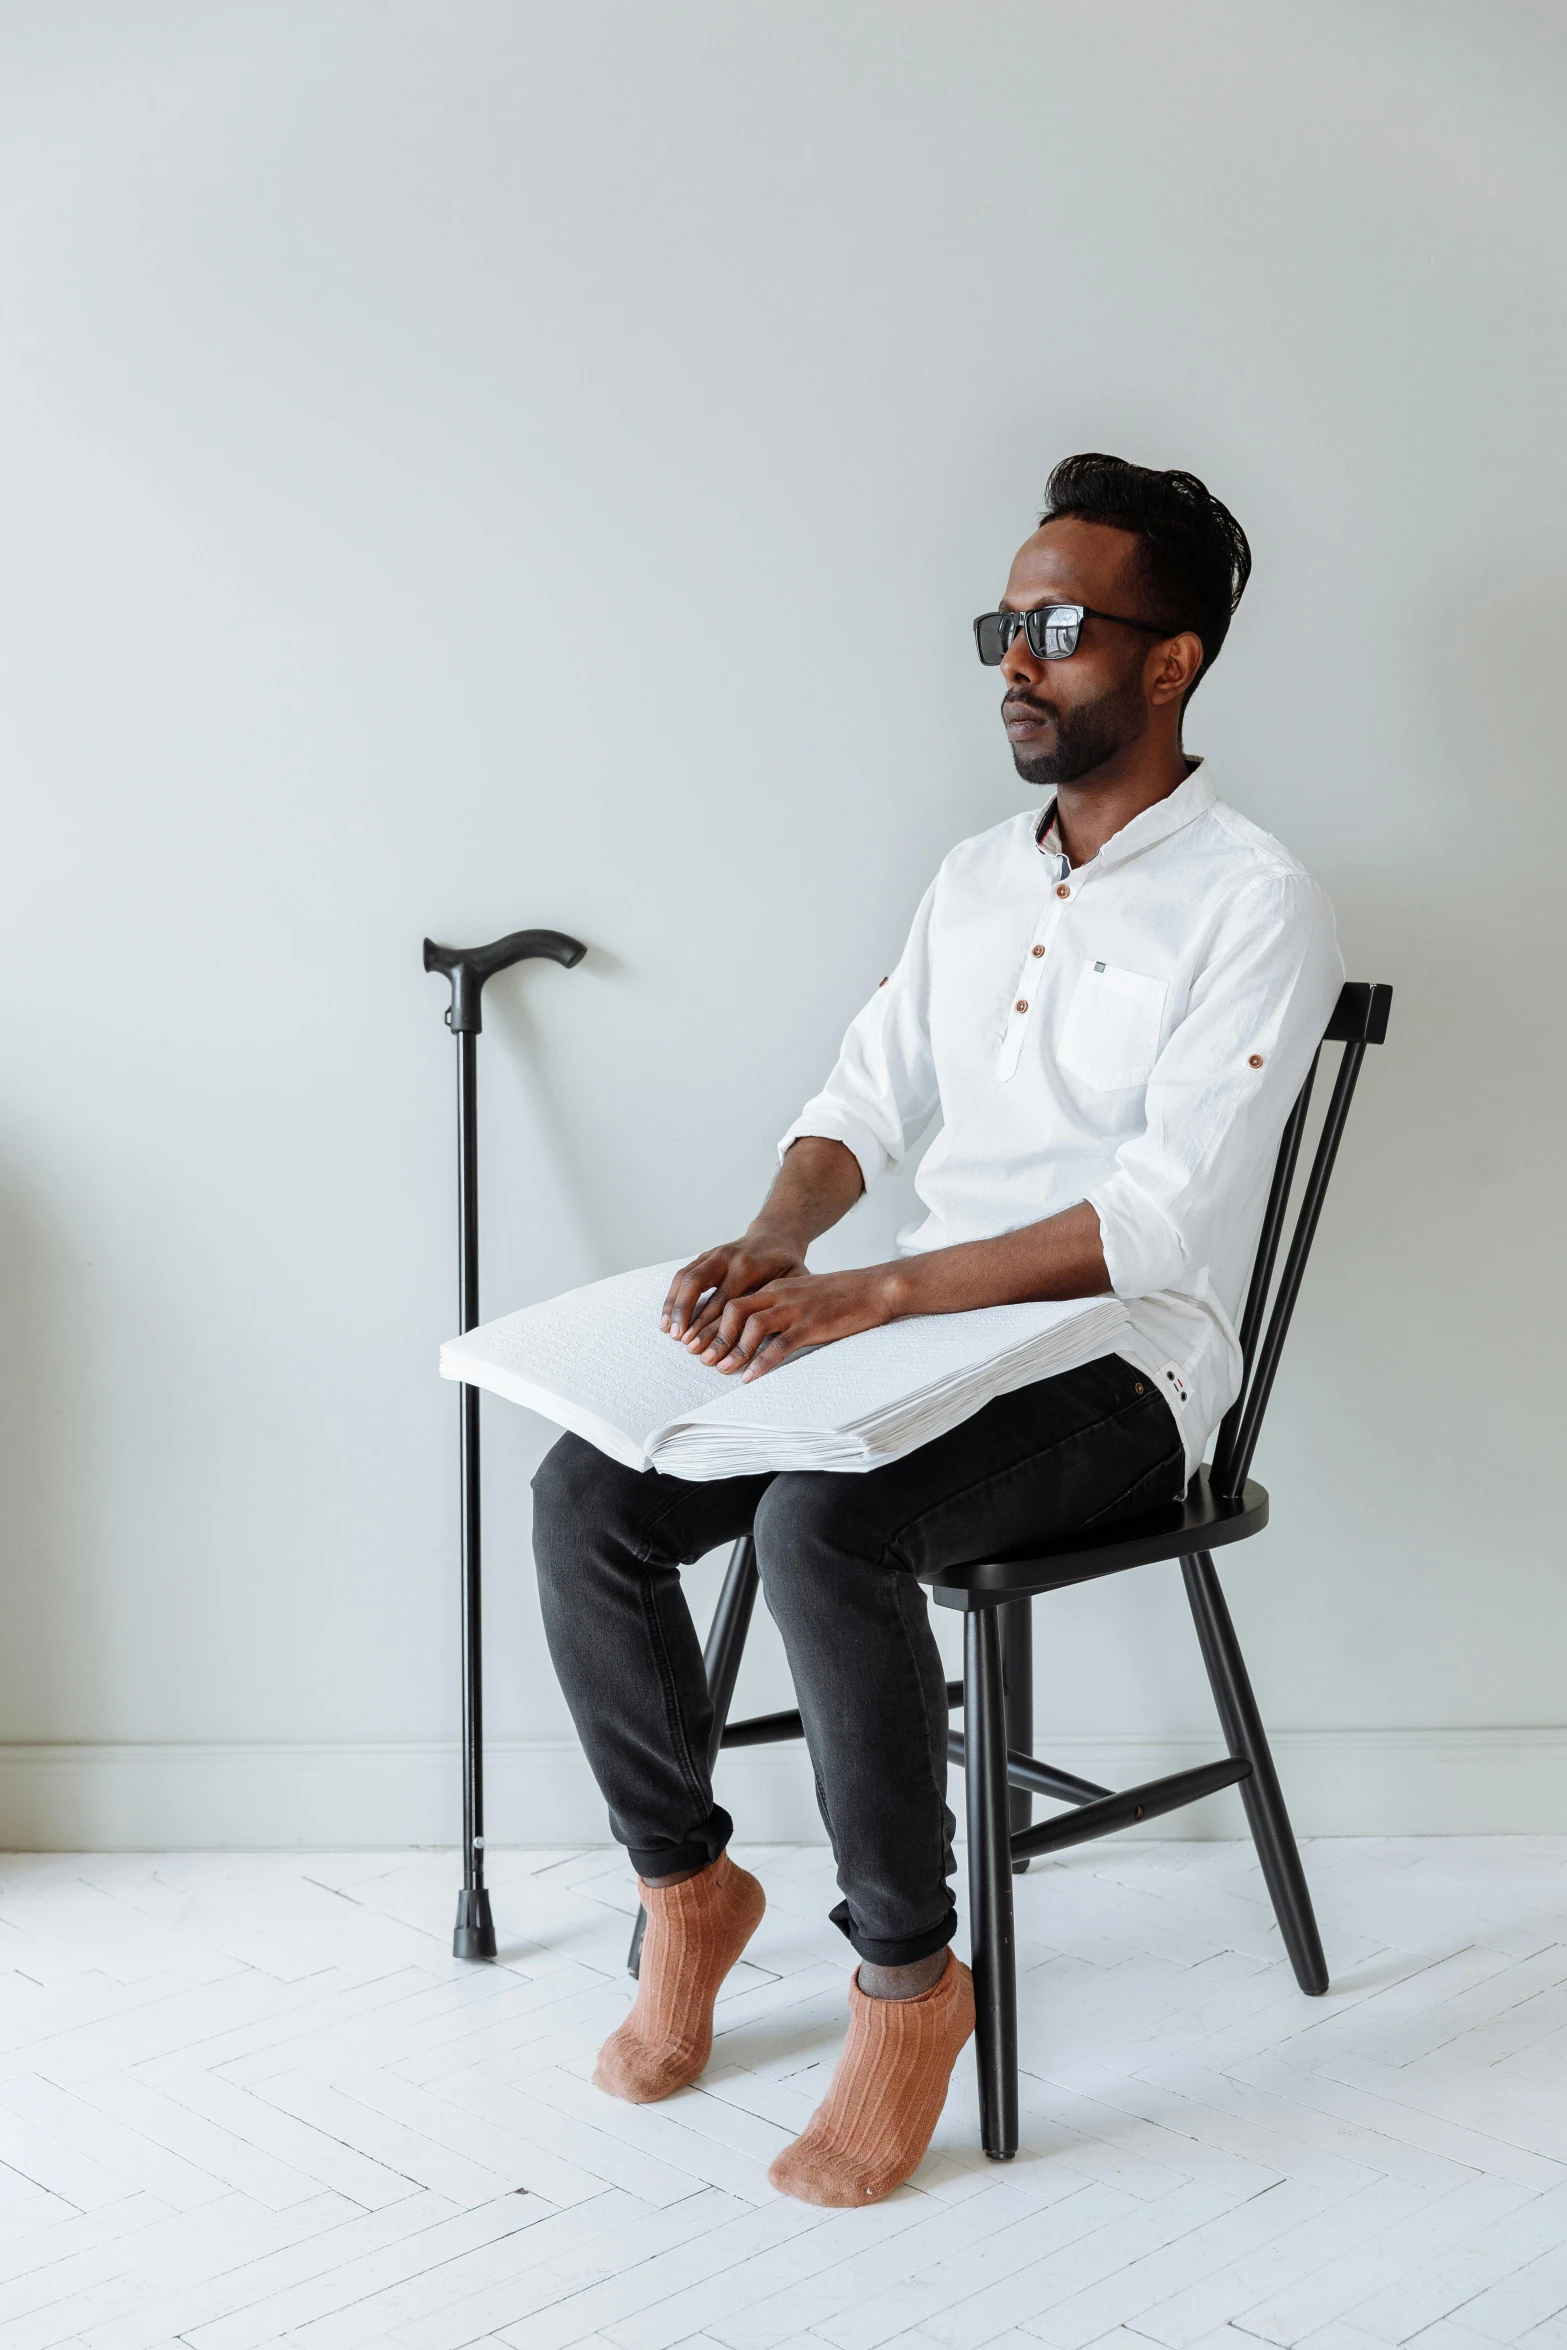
{"x":1018,"y":665}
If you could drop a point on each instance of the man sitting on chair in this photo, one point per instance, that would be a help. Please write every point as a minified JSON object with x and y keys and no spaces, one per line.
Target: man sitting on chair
{"x":1112,"y":1001}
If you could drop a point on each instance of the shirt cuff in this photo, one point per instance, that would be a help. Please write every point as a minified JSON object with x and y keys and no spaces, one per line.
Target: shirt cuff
{"x":1142,"y":1249}
{"x":835,"y":1124}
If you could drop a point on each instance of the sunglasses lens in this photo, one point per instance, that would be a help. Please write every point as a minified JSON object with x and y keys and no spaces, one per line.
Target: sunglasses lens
{"x":993,"y":633}
{"x":1054,"y":631}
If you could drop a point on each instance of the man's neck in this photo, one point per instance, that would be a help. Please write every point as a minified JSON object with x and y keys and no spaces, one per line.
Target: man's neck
{"x":1098,"y":805}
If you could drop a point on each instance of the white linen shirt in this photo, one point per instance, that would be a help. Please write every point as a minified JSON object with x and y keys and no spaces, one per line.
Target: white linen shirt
{"x":1131,"y":1032}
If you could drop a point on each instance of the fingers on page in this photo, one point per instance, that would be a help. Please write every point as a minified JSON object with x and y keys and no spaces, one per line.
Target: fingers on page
{"x":685,"y":1292}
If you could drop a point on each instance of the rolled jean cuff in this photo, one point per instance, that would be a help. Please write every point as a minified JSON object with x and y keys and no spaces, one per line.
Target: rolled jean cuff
{"x":697,"y":1852}
{"x":903,"y":1950}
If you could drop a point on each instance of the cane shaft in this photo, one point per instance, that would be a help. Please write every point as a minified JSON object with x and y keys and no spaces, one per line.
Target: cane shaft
{"x":468,"y":1315}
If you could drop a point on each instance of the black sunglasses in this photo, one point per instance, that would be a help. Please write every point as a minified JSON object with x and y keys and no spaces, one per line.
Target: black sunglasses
{"x":1052,"y":631}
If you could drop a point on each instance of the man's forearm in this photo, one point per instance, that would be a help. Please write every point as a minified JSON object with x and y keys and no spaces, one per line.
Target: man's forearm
{"x":817,"y":1184}
{"x":1062,"y":1257}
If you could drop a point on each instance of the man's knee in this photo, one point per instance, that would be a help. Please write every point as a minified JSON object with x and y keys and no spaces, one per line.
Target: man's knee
{"x":808,"y":1528}
{"x":575,"y":1497}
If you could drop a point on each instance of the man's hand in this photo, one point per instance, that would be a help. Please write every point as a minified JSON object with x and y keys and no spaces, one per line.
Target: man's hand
{"x":701,"y":1290}
{"x":818,"y":1182}
{"x":756,"y":1333}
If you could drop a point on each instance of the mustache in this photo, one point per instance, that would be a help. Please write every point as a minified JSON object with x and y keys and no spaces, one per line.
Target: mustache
{"x":1018,"y":700}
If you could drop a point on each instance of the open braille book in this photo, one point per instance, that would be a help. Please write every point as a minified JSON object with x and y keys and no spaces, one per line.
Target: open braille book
{"x":595,"y":1360}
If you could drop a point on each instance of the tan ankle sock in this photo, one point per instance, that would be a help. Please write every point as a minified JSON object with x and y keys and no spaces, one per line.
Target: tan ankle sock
{"x":871,"y":2130}
{"x":695,"y":1932}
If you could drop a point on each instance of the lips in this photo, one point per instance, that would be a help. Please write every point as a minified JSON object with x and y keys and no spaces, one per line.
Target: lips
{"x":1024,"y":717}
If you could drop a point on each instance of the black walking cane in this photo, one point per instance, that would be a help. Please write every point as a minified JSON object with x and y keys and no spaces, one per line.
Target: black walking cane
{"x":468,"y":968}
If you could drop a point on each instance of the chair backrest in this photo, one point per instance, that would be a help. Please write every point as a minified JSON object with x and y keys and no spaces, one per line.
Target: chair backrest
{"x":1359,"y":1018}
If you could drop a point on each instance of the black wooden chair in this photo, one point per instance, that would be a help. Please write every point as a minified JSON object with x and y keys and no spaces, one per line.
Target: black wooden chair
{"x":996,"y":1595}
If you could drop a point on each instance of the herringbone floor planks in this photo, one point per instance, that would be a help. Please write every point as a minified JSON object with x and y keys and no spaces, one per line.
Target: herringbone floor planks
{"x":250,"y":2100}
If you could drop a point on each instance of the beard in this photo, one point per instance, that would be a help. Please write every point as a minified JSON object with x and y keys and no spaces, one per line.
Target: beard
{"x":1085,"y":738}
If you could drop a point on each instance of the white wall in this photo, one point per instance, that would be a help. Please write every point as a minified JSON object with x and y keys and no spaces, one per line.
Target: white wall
{"x":468,"y":466}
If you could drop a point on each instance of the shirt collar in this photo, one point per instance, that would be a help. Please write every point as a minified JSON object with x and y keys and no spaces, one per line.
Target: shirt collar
{"x":1190,"y":799}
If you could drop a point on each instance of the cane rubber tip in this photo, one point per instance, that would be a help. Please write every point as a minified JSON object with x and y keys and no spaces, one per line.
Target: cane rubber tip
{"x":474,"y":1934}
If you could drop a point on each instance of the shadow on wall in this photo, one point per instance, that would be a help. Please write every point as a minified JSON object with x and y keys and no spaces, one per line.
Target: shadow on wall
{"x":527,"y":1140}
{"x":44,"y":1595}
{"x":1459,"y":1133}
{"x":1421,"y":1378}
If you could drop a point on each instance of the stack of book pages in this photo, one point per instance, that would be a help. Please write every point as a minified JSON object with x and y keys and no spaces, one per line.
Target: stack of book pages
{"x":596,"y":1361}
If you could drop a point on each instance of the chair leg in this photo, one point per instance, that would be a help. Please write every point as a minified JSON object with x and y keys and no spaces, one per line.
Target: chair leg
{"x":721,"y":1661}
{"x":990,"y":1883}
{"x":1264,"y":1799}
{"x":1017,"y":1681}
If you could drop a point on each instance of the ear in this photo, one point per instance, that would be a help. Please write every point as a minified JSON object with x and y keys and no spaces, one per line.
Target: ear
{"x":1172,"y":666}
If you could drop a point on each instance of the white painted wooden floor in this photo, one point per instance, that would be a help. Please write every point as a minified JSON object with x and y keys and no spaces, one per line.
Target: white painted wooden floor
{"x":251,"y":2100}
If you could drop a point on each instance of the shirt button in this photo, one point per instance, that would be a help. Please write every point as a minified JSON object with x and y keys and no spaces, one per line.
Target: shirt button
{"x":1038,"y":950}
{"x":1255,"y":1062}
{"x":1061,"y":890}
{"x":1021,"y":1005}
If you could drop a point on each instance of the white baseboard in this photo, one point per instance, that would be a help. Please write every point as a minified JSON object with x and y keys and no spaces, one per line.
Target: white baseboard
{"x":338,"y":1797}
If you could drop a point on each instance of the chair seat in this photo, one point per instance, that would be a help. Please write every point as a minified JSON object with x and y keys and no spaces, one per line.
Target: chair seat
{"x":1202,"y":1520}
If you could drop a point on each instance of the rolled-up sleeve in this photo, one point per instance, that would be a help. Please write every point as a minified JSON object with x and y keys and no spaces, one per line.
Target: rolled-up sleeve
{"x":882,"y":1092}
{"x":1222,"y":1088}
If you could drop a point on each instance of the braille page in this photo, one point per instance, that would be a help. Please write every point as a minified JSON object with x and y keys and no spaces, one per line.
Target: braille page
{"x":593,"y":1360}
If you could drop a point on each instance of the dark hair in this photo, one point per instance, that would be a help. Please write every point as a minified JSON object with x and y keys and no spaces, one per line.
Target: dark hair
{"x":1193,"y":554}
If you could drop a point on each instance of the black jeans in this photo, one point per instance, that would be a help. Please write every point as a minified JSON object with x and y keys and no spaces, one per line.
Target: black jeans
{"x":838,"y":1555}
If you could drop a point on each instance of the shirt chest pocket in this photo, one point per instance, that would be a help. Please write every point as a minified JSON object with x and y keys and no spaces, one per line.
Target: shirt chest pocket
{"x":1110,"y":1035}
